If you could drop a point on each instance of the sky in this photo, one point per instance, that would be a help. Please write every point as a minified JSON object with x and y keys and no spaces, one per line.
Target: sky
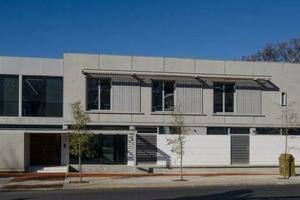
{"x":204,"y":29}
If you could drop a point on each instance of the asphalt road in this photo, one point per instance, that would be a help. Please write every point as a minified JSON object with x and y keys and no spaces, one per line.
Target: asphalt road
{"x":188,"y":193}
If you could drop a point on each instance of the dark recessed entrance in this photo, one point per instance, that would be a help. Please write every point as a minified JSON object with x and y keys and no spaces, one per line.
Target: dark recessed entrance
{"x":45,"y":149}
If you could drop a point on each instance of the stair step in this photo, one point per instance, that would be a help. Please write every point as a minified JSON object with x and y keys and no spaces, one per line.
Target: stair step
{"x":54,"y":169}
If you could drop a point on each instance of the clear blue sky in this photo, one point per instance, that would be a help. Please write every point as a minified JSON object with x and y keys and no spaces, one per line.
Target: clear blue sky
{"x":211,"y":29}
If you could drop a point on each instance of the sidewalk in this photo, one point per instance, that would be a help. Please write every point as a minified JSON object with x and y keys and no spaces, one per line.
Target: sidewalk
{"x":172,"y":181}
{"x":33,"y":181}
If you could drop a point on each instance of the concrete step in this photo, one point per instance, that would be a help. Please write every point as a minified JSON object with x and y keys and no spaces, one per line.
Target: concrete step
{"x":48,"y":169}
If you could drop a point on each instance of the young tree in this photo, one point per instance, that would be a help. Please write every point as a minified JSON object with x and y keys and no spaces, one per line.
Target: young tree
{"x":177,"y":141}
{"x":289,"y":122}
{"x":80,"y":136}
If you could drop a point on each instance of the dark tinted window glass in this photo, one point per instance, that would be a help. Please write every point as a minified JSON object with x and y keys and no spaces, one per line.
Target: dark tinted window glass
{"x":217,"y":131}
{"x":146,"y":129}
{"x":218,"y":97}
{"x":42,"y":96}
{"x":168,"y":130}
{"x":105,"y":149}
{"x":229,"y":97}
{"x":239,"y":130}
{"x":9,"y":94}
{"x":294,"y":131}
{"x":169,"y":96}
{"x":157,"y":96}
{"x":105,"y":94}
{"x":92,"y":94}
{"x":267,"y":131}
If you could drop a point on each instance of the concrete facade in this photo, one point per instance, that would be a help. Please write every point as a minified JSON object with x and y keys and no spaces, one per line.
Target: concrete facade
{"x":255,"y":106}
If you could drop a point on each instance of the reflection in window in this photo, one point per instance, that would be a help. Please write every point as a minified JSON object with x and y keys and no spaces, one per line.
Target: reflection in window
{"x":105,"y":149}
{"x":105,"y":94}
{"x":96,"y":88}
{"x":92,"y":94}
{"x":224,"y":97}
{"x":162,"y":96}
{"x":229,"y":97}
{"x":218,"y":97}
{"x":168,"y":130}
{"x":42,"y":96}
{"x":9,"y":95}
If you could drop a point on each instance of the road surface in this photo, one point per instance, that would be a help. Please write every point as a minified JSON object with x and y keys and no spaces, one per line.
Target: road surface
{"x":186,"y":193}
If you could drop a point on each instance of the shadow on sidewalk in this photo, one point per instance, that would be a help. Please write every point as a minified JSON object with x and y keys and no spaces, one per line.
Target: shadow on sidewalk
{"x":233,"y":195}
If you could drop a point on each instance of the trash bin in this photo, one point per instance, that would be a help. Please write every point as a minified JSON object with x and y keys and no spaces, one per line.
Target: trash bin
{"x":287,"y":165}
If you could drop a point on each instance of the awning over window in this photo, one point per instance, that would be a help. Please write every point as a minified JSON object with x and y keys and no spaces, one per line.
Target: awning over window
{"x":170,"y":75}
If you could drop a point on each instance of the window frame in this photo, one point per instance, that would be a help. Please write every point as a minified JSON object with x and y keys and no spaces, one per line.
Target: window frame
{"x":18,"y":91}
{"x":99,"y":94}
{"x":44,"y":77}
{"x":163,"y":95}
{"x":224,"y":95}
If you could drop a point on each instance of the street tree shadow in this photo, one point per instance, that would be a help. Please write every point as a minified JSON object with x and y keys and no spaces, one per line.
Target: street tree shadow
{"x":245,"y":194}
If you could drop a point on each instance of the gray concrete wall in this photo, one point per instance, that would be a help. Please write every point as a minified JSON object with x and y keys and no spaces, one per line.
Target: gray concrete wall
{"x":12,"y":151}
{"x":283,"y":75}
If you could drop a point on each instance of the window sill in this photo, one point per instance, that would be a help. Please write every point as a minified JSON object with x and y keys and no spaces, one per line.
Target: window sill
{"x":238,"y":115}
{"x":112,"y":112}
{"x":171,"y":113}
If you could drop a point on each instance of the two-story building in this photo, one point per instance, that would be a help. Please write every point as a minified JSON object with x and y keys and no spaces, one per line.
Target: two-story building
{"x":234,"y":111}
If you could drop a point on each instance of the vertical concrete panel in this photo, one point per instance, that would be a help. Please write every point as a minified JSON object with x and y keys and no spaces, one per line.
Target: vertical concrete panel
{"x":74,"y":80}
{"x":198,"y":100}
{"x":64,"y":149}
{"x":136,"y":98}
{"x":12,"y":151}
{"x":131,"y":155}
{"x":179,"y":96}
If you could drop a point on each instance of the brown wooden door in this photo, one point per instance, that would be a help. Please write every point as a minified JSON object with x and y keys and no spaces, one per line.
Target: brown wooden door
{"x":45,"y":149}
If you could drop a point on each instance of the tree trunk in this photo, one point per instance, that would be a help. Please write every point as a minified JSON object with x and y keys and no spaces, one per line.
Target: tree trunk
{"x":80,"y":165}
{"x":181,"y":174}
{"x":285,"y":150}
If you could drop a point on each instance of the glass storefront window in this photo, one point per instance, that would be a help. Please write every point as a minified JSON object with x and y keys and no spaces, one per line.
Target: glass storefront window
{"x":105,"y":149}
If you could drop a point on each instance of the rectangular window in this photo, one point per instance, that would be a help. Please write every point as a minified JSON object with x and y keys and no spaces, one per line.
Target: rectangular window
{"x":105,"y":94}
{"x":224,"y":97}
{"x":217,"y":131}
{"x":105,"y":149}
{"x":42,"y":96}
{"x":267,"y":131}
{"x":9,"y":95}
{"x":218,"y":97}
{"x":229,"y":97}
{"x":92,"y":94}
{"x":98,"y":94}
{"x":283,"y":99}
{"x":162,"y":96}
{"x":239,"y":130}
{"x":168,"y":130}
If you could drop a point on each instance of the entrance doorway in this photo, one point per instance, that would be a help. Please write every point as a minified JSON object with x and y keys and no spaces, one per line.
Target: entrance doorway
{"x":45,"y":149}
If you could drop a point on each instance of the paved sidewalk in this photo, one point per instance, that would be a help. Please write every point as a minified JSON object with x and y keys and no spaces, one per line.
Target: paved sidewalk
{"x":172,"y":181}
{"x":30,"y":181}
{"x":212,"y":177}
